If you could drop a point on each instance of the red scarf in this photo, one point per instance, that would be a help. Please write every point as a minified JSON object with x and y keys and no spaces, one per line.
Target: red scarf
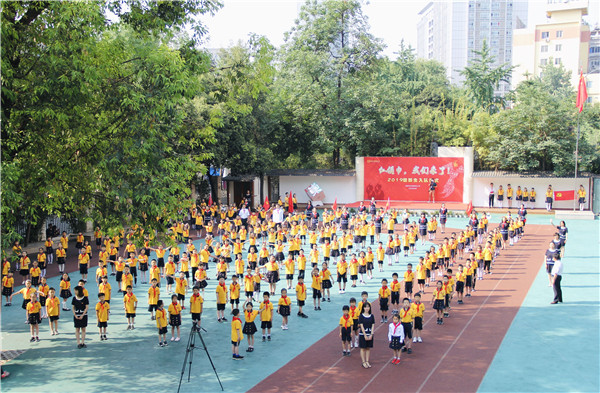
{"x":266,"y":302}
{"x":236,"y":319}
{"x":302,"y":288}
{"x":396,"y":326}
{"x":223,"y":286}
{"x":405,"y":312}
{"x":384,"y":288}
{"x":101,"y":306}
{"x":346,"y":318}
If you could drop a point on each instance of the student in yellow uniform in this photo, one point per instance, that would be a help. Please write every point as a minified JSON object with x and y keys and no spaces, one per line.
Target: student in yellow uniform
{"x":53,"y":310}
{"x":33,"y":317}
{"x":581,"y":197}
{"x":284,"y":308}
{"x":266,"y":316}
{"x":234,"y":292}
{"x":153,"y":297}
{"x":130,"y":303}
{"x":301,"y":296}
{"x":346,"y":323}
{"x":418,"y":310}
{"x":221,"y":291}
{"x":249,"y":326}
{"x":409,"y":277}
{"x":102,"y":312}
{"x":174,"y":318}
{"x":35,"y":274}
{"x":181,"y":286}
{"x":161,"y":323}
{"x":384,"y":297}
{"x":236,"y":334}
{"x":406,"y":318}
{"x":196,"y":305}
{"x":395,"y":292}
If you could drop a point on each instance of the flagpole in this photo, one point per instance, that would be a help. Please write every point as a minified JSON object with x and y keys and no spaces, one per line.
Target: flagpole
{"x":576,"y":161}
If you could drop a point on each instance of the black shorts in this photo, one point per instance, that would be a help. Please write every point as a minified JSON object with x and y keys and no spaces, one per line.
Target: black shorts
{"x":316,"y":293}
{"x":162,"y":330}
{"x":460,"y":286}
{"x":220,"y":306}
{"x":53,"y":318}
{"x":407,"y":329}
{"x":418,"y":323}
{"x":180,"y":297}
{"x":447,"y":301}
{"x":195,"y":316}
{"x":408,"y":287}
{"x":234,"y":301}
{"x":342,"y":277}
{"x":421,"y":281}
{"x":152,"y":307}
{"x":129,"y":315}
{"x":266,"y":324}
{"x":83,"y":268}
{"x":170,"y":280}
{"x":395,"y":297}
{"x":289,"y":276}
{"x":35,"y":281}
{"x":300,"y":303}
{"x":346,"y":334}
{"x":160,"y":262}
{"x":235,"y":343}
{"x":469,"y":281}
{"x":354,"y":276}
{"x":383,"y":304}
{"x":102,"y":324}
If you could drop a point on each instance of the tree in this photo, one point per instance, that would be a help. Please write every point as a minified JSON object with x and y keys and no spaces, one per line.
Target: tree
{"x":324,"y":62}
{"x":90,"y":112}
{"x":482,"y":78}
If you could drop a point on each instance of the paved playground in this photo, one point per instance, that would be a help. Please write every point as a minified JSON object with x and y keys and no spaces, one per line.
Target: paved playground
{"x":507,"y":337}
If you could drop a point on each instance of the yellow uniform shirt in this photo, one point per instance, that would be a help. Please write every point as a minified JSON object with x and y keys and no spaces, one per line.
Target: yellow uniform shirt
{"x":33,"y":307}
{"x":102,"y":311}
{"x":417,"y":309}
{"x":161,"y":318}
{"x":250,"y":316}
{"x":153,"y":295}
{"x":406,"y":315}
{"x":196,"y":302}
{"x":236,"y":330}
{"x":301,"y":291}
{"x":221,"y":294}
{"x":346,"y":321}
{"x":105,"y":289}
{"x":52,"y":306}
{"x":267,"y":310}
{"x":395,"y":286}
{"x":234,"y":290}
{"x":316,"y":282}
{"x":130,"y":303}
{"x":174,"y":309}
{"x":126,"y":280}
{"x":180,"y":286}
{"x":384,"y":292}
{"x":409,"y":276}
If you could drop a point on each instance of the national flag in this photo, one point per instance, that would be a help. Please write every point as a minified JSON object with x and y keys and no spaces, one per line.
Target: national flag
{"x":334,"y":207}
{"x":568,"y":195}
{"x":387,"y":205}
{"x":469,"y":208}
{"x":581,"y":92}
{"x":266,"y":205}
{"x":210,"y":201}
{"x":290,"y":203}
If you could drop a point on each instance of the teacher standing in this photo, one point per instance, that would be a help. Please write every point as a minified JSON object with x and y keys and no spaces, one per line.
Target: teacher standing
{"x":366,"y":320}
{"x":432,"y":186}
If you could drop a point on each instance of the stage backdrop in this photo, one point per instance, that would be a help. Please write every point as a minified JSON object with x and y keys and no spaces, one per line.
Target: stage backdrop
{"x":407,"y":178}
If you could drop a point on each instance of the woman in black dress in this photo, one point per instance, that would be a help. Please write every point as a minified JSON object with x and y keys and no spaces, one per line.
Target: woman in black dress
{"x":366,"y":320}
{"x":80,"y":307}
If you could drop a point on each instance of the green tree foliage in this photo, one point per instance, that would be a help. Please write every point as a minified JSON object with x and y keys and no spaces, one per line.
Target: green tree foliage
{"x":90,"y":113}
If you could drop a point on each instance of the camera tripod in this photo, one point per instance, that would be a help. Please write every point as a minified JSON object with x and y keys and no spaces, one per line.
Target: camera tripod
{"x":189,"y":355}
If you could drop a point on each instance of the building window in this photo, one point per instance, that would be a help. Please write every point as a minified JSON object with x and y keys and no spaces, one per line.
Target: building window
{"x":558,"y":47}
{"x":557,"y":61}
{"x":544,"y":48}
{"x":545,"y":34}
{"x":588,"y":84}
{"x":558,"y":34}
{"x":543,"y":61}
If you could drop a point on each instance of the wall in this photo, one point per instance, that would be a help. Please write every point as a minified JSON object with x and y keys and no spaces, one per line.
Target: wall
{"x":341,"y":187}
{"x":481,"y":189}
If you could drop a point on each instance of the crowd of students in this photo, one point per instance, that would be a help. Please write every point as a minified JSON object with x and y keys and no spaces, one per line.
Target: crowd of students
{"x":344,"y":247}
{"x":527,"y":198}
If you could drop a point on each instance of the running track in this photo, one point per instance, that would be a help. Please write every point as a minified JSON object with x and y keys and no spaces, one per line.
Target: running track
{"x":453,"y":357}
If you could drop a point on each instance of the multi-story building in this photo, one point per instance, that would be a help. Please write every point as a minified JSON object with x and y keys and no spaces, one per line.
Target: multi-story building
{"x":565,"y":38}
{"x":449,"y":31}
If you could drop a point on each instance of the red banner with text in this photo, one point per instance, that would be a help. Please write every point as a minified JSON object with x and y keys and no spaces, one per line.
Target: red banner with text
{"x":408,"y":178}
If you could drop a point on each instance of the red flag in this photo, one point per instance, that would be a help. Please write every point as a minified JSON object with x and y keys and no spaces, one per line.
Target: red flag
{"x":210,"y":201}
{"x":291,"y":203}
{"x":387,"y":205}
{"x":334,"y":207}
{"x":581,"y":92}
{"x":266,"y":205}
{"x":469,"y":208}
{"x":568,"y":195}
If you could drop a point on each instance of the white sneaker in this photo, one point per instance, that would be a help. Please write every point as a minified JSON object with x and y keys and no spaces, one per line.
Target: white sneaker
{"x":172,"y":338}
{"x":419,"y":340}
{"x":414,"y":339}
{"x":177,"y":339}
{"x":282,"y":327}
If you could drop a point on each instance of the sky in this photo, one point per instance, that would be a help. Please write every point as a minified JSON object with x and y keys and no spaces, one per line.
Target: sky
{"x":391,"y":20}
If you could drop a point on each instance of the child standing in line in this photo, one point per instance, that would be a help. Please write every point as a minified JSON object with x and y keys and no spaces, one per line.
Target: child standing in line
{"x":258,"y":276}
{"x":174,"y":318}
{"x":384,"y":295}
{"x":342,"y":268}
{"x":346,"y":324}
{"x":353,"y":267}
{"x":290,"y":266}
{"x":284,"y":308}
{"x":8,"y":283}
{"x":161,"y":323}
{"x":449,"y":288}
{"x":33,"y":316}
{"x":170,"y":268}
{"x":317,"y":287}
{"x":181,"y":285}
{"x":249,"y":285}
{"x":460,"y":283}
{"x":196,"y":305}
{"x":396,"y":338}
{"x":354,"y":313}
{"x":249,"y":326}
{"x":326,"y":281}
{"x":65,"y":290}
{"x":234,"y":292}
{"x":421,"y":274}
{"x":395,"y":291}
{"x":409,"y":277}
{"x":236,"y":334}
{"x":301,"y":296}
{"x":406,"y":317}
{"x":102,"y":312}
{"x":53,"y":310}
{"x":370,"y":257}
{"x":153,"y":296}
{"x":221,"y":300}
{"x":35,"y":274}
{"x":417,"y":309}
{"x":43,"y":293}
{"x":130,"y":304}
{"x":266,"y":316}
{"x":437,"y":302}
{"x":380,"y":256}
{"x":468,"y":278}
